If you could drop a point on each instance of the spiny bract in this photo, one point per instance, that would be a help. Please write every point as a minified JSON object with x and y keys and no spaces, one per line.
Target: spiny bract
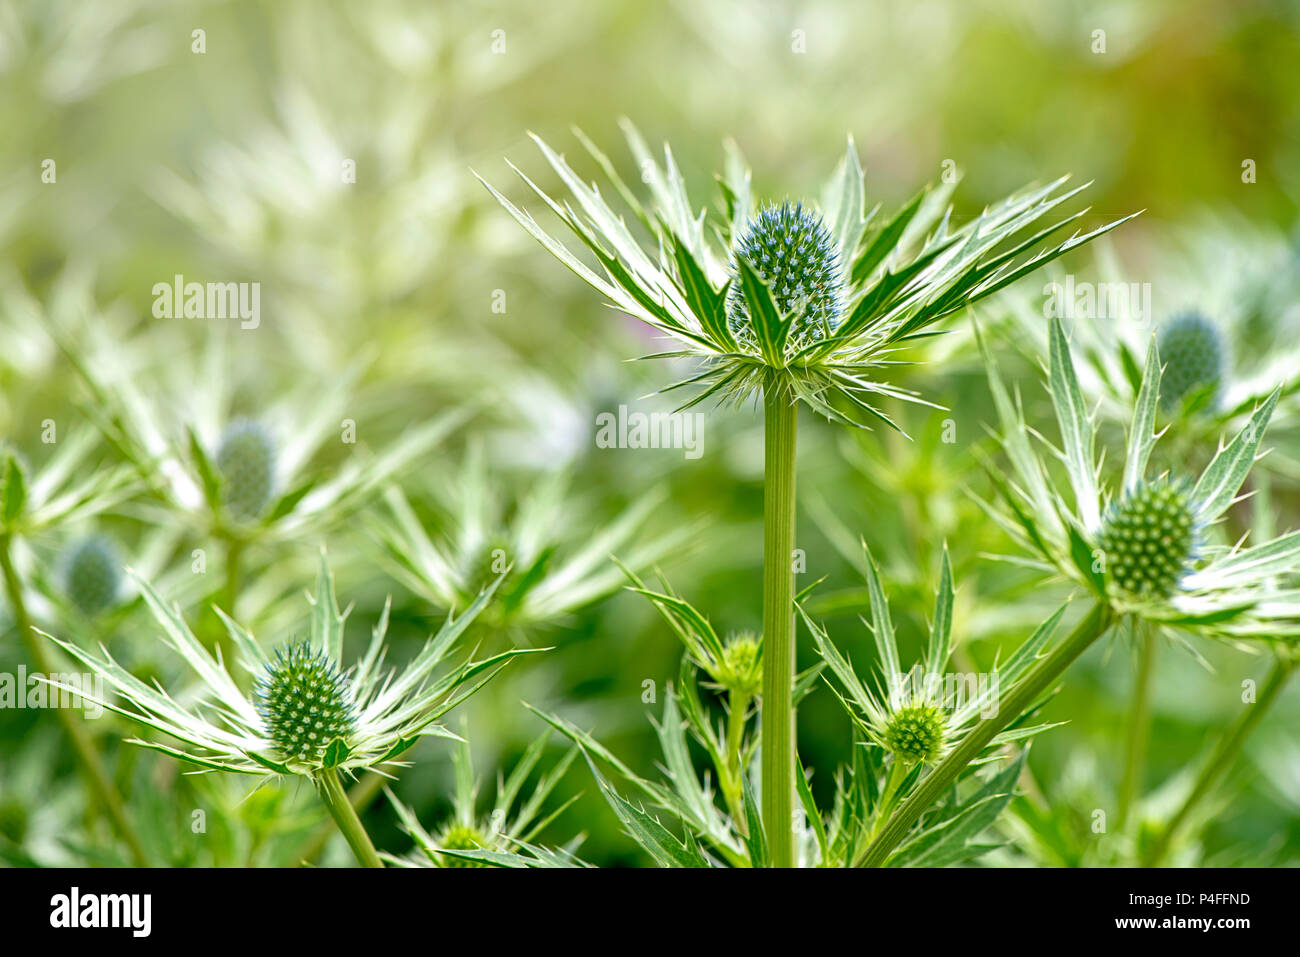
{"x":246,"y":459}
{"x":915,"y":732}
{"x":790,"y":249}
{"x":1194,"y":355}
{"x":1148,"y":541}
{"x":460,"y":837}
{"x":13,"y":483}
{"x":92,"y":574}
{"x":305,"y":702}
{"x":741,"y":670}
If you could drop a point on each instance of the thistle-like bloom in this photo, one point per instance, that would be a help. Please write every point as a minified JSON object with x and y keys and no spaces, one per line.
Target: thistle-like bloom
{"x":1145,"y":548}
{"x":306,"y":713}
{"x":790,"y":249}
{"x":814,"y":300}
{"x":1195,"y":358}
{"x":92,"y":575}
{"x":246,"y":460}
{"x":740,"y":670}
{"x":920,"y":715}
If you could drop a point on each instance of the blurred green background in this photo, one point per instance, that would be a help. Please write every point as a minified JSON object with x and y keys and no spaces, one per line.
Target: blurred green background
{"x":228,"y":165}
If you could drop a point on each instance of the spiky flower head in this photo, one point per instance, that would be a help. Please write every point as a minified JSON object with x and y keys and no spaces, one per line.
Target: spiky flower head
{"x":303,"y":715}
{"x":915,"y":733}
{"x":741,"y":669}
{"x":246,"y":458}
{"x":305,"y":702}
{"x":1145,"y":552}
{"x":1149,"y":540}
{"x":791,"y":250}
{"x":461,"y":837}
{"x":1195,"y":358}
{"x":92,"y":574}
{"x":810,"y":302}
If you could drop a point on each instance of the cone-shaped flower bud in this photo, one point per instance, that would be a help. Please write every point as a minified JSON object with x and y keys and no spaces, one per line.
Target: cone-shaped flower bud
{"x":304,"y":702}
{"x":1148,"y":541}
{"x":790,"y":249}
{"x":246,"y":459}
{"x":1194,"y":355}
{"x":915,"y":733}
{"x":92,"y":574}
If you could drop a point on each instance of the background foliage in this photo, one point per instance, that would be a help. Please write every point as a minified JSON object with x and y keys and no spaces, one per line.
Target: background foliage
{"x":378,"y":297}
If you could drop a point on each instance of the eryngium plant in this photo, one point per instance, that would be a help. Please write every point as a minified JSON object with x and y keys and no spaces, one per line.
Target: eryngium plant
{"x":901,"y":729}
{"x":1157,"y":572}
{"x":307,"y":716}
{"x":800,"y":302}
{"x":504,"y":836}
{"x":1141,"y":547}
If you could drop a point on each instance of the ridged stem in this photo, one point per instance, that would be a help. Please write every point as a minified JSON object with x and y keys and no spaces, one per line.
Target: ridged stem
{"x":1139,"y":725}
{"x":359,"y":796}
{"x":336,"y":802}
{"x":733,"y":770}
{"x":1017,"y":701}
{"x":1225,"y":752}
{"x":780,"y":419}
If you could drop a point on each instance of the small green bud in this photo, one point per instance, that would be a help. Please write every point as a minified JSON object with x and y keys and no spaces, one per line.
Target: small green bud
{"x":915,"y":733}
{"x":741,"y":668}
{"x":790,"y":249}
{"x":1194,"y":357}
{"x":246,"y":459}
{"x":92,"y":574}
{"x":460,"y":837}
{"x":1148,"y":541}
{"x":304,"y":702}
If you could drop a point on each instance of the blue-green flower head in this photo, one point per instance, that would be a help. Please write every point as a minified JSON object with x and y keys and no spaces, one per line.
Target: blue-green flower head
{"x":1149,"y":540}
{"x":1195,"y":357}
{"x":790,"y":249}
{"x":304,"y":702}
{"x":92,"y":574}
{"x":246,"y":459}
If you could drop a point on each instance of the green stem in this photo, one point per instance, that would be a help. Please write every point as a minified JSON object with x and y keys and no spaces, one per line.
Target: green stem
{"x":1222,"y":758}
{"x":87,"y":757}
{"x":230,"y":598}
{"x":336,"y":801}
{"x":1016,"y":702}
{"x":1139,"y":725}
{"x":780,"y":419}
{"x":359,"y":796}
{"x":734,"y":787}
{"x":897,"y":771}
